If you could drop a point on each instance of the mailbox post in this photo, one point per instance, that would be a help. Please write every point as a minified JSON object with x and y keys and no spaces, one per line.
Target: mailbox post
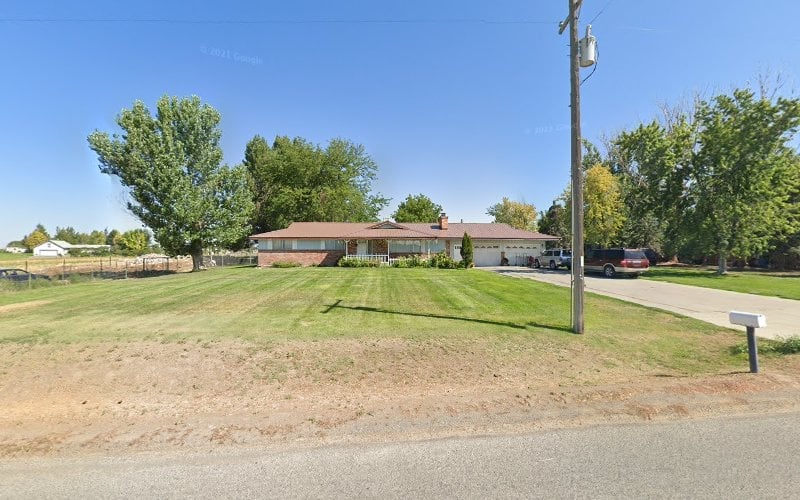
{"x":750,"y":321}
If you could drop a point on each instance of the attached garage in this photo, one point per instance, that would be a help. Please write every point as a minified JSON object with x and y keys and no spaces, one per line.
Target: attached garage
{"x":491,"y":253}
{"x":486,"y":256}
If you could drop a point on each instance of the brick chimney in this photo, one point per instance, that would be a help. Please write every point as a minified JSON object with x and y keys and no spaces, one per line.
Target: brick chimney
{"x":443,"y":221}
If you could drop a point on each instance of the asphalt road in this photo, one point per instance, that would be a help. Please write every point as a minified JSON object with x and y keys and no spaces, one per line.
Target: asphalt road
{"x":706,"y":304}
{"x":741,"y":457}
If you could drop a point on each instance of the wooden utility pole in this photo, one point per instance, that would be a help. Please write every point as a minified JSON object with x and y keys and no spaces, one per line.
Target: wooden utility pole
{"x":577,"y":173}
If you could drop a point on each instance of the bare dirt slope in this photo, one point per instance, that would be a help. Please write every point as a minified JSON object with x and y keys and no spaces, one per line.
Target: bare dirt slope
{"x":117,"y":398}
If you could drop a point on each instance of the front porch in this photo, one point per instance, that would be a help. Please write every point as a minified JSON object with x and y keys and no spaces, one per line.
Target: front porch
{"x":386,"y":251}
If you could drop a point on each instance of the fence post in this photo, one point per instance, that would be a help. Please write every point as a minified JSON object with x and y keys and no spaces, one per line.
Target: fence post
{"x":63,"y":268}
{"x":126,"y":269}
{"x":144,"y":264}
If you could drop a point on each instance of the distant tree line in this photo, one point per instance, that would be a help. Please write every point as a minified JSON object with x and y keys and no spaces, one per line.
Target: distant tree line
{"x":721,"y":181}
{"x":716,"y":183}
{"x":133,"y":242}
{"x":171,"y":165}
{"x":170,"y":162}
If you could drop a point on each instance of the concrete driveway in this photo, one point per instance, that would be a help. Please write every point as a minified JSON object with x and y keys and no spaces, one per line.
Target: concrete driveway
{"x":706,"y":304}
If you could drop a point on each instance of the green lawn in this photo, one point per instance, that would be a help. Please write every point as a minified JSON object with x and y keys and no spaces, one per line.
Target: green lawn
{"x":452,"y":307}
{"x":13,"y":257}
{"x":786,"y":285}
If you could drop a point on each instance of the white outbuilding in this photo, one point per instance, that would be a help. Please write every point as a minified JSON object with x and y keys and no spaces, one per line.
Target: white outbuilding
{"x":59,"y":248}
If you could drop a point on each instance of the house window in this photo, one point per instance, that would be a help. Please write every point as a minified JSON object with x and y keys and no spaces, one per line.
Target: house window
{"x":405,"y":246}
{"x":309,"y":245}
{"x":333,"y":244}
{"x":435,"y":246}
{"x":281,"y":244}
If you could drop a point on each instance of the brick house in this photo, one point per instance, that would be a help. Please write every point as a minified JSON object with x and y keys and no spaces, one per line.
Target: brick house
{"x":324,"y":243}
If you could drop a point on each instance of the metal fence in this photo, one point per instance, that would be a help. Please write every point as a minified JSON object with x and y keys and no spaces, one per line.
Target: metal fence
{"x":99,"y":267}
{"x":224,"y":260}
{"x":115,"y":267}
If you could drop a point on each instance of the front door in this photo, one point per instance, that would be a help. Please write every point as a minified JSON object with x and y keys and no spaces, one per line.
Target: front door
{"x":362,"y":247}
{"x":456,"y":253}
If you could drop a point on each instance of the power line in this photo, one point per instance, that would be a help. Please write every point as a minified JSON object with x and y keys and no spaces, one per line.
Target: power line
{"x":86,"y":20}
{"x":601,"y":11}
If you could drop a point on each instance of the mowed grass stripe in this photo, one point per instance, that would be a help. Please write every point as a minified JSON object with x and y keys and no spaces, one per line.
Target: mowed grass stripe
{"x":447,"y":307}
{"x":771,"y":284}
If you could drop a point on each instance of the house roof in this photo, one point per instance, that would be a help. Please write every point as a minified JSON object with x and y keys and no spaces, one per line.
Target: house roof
{"x":59,"y":243}
{"x":392,"y":230}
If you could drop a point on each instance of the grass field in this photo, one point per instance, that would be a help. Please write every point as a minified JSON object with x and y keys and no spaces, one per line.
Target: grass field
{"x":13,"y":257}
{"x":785,"y":285}
{"x":452,"y":308}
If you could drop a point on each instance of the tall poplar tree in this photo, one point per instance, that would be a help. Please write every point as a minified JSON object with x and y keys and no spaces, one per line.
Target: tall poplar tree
{"x":171,"y":165}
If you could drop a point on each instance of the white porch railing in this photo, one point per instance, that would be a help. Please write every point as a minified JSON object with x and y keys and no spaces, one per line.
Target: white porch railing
{"x":382,"y":258}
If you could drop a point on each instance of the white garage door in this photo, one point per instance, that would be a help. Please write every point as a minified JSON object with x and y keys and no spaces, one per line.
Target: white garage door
{"x":485,"y":257}
{"x":48,"y":253}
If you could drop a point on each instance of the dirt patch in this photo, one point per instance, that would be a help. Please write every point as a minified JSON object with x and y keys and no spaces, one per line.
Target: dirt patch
{"x":23,"y":305}
{"x":151,"y":396}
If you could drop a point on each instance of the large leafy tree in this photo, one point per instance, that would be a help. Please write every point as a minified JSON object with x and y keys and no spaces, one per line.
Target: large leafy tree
{"x":517,"y":214}
{"x":133,"y":242}
{"x":744,"y":174}
{"x":35,"y":238}
{"x":96,"y":237}
{"x":295,"y":180}
{"x":68,"y":234}
{"x":603,"y":214}
{"x":417,"y":208}
{"x":555,"y":222}
{"x":41,"y":229}
{"x":653,"y":164}
{"x":171,"y":165}
{"x":111,"y":236}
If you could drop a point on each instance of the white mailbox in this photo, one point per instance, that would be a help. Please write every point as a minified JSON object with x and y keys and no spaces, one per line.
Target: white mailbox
{"x":748,"y":319}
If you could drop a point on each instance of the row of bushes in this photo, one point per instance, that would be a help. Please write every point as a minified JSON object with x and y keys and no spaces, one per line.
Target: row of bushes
{"x":439,"y":260}
{"x":349,"y":262}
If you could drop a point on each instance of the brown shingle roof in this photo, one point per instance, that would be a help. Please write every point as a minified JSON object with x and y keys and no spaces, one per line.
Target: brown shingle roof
{"x":365,"y":230}
{"x":314,"y":230}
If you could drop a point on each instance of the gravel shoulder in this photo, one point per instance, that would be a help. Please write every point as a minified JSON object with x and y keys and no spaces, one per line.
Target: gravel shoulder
{"x":149,"y":397}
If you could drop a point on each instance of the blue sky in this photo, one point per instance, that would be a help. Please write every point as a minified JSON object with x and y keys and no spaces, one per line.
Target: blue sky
{"x":464,"y":101}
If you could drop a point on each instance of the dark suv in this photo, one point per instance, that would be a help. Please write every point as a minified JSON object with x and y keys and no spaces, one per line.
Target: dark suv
{"x":613,"y":261}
